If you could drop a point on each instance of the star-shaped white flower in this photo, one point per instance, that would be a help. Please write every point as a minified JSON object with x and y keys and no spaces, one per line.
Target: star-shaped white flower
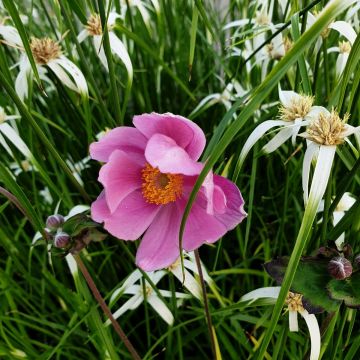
{"x":294,"y":303}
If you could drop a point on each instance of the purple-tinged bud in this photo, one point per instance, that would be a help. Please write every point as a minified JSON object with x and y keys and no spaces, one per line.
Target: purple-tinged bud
{"x":340,"y":268}
{"x":357,"y":260}
{"x":61,"y":239}
{"x":53,"y":222}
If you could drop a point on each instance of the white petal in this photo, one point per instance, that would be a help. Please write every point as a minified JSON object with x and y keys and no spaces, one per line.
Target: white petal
{"x":21,"y":82}
{"x":279,"y":139}
{"x":112,"y":18}
{"x":97,"y":39}
{"x":310,"y":153}
{"x":341,"y":63}
{"x":345,"y":29}
{"x":176,"y":294}
{"x":72,"y":265}
{"x":265,"y":292}
{"x":75,"y":72}
{"x":131,"y":280}
{"x":339,"y":242}
{"x":82,"y":35}
{"x":10,"y":35}
{"x":62,"y":75}
{"x":190,"y":283}
{"x":191,"y":265}
{"x":131,"y":304}
{"x":296,"y":129}
{"x":349,"y":130}
{"x":314,"y":331}
{"x":293,"y":321}
{"x":120,"y":50}
{"x":161,"y":309}
{"x":238,"y":23}
{"x":5,"y":145}
{"x":345,"y":203}
{"x":315,"y":111}
{"x":258,"y":132}
{"x":208,"y":100}
{"x":78,"y":209}
{"x":14,"y":137}
{"x":321,"y":173}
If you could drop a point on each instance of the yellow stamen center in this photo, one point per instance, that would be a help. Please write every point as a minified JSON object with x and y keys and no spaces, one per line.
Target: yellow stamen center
{"x":44,"y":50}
{"x":294,"y":301}
{"x":174,"y":265}
{"x":344,"y":47}
{"x":159,"y":188}
{"x":94,"y":25}
{"x":328,"y":129}
{"x":298,"y":109}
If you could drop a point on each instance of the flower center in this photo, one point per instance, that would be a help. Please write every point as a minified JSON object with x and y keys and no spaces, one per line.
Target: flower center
{"x":328,"y":129}
{"x":298,"y":109}
{"x":294,"y":301}
{"x":94,"y":25}
{"x":159,"y":188}
{"x":262,"y":18}
{"x":44,"y":50}
{"x":344,"y":47}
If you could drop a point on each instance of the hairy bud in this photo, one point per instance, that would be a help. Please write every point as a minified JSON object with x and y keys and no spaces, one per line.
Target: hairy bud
{"x":53,"y":222}
{"x":340,"y":268}
{"x":61,"y":239}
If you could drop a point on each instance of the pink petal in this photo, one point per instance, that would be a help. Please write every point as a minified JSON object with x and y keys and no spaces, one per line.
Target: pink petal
{"x":159,"y":247}
{"x":128,"y":139}
{"x":120,"y":176}
{"x":234,"y":211}
{"x":99,"y":209}
{"x":184,"y":132}
{"x":163,"y":152}
{"x":132,"y":217}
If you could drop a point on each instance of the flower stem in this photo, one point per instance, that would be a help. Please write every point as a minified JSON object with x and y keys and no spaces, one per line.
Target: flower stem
{"x":105,"y":308}
{"x":206,"y":304}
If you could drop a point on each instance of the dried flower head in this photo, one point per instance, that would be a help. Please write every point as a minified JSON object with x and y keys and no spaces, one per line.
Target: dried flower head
{"x":344,"y":47}
{"x":288,"y":44}
{"x":44,"y":50}
{"x":294,"y":301}
{"x":299,"y":107}
{"x":328,"y":129}
{"x":94,"y":25}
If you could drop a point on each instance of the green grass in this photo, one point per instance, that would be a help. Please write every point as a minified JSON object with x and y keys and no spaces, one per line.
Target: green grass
{"x":180,"y":54}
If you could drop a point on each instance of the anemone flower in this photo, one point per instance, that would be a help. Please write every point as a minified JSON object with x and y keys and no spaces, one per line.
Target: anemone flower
{"x":295,"y":112}
{"x":94,"y":29}
{"x":325,"y":131}
{"x":295,"y":306}
{"x":140,"y":289}
{"x":149,"y":173}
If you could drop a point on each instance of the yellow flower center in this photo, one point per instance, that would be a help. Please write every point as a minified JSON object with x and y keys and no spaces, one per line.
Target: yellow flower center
{"x":294,"y":301}
{"x":44,"y":50}
{"x":298,"y":109}
{"x":344,"y":47}
{"x":159,"y":188}
{"x":328,"y":129}
{"x":94,"y":25}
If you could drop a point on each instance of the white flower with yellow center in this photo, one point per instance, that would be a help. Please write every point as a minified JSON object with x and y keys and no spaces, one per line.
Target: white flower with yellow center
{"x":94,"y":30}
{"x":295,"y":112}
{"x":294,"y":307}
{"x":325,"y":131}
{"x":47,"y":53}
{"x":141,"y":290}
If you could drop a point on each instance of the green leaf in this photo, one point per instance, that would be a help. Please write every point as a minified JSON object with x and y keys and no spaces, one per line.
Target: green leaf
{"x":311,"y":280}
{"x":347,"y":290}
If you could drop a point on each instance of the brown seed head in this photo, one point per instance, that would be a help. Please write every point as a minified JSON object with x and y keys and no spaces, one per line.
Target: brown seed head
{"x":294,"y":301}
{"x":298,"y":109}
{"x":328,"y":129}
{"x":44,"y":50}
{"x":94,"y":25}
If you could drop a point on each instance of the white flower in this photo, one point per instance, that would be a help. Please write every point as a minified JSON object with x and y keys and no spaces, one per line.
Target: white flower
{"x":94,"y":29}
{"x":47,"y":54}
{"x":294,"y":303}
{"x":295,"y":112}
{"x":325,"y":131}
{"x":78,"y":167}
{"x":188,"y":280}
{"x":140,"y":289}
{"x":345,"y":203}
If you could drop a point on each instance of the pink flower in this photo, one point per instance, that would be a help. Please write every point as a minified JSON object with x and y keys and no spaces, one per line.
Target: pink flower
{"x":148,"y":175}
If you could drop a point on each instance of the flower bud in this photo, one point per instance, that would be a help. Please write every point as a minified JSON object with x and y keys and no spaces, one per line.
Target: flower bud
{"x":61,"y":239}
{"x":53,"y":222}
{"x":340,"y":268}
